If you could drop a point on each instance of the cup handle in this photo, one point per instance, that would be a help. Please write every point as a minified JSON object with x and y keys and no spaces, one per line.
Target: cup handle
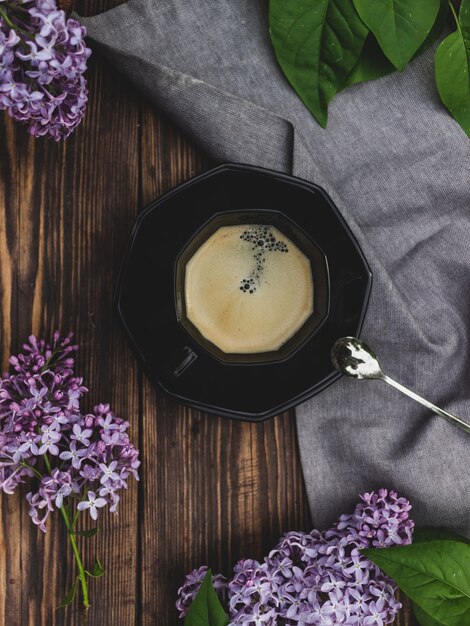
{"x":181,"y":361}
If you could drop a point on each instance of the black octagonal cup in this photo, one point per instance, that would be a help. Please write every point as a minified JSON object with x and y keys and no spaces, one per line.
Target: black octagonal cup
{"x":149,"y":303}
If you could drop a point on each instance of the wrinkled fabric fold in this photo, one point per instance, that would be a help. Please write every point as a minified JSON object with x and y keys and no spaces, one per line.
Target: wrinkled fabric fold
{"x":398,"y":168}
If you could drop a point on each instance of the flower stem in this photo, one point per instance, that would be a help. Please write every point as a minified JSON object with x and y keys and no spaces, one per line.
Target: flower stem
{"x":78,"y":560}
{"x":32,"y":468}
{"x":73,"y":543}
{"x":48,"y":463}
{"x":15,"y":27}
{"x":75,"y":520}
{"x":5,"y":17}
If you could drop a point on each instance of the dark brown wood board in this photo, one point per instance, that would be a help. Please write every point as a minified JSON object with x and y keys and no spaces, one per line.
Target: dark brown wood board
{"x":212,"y":490}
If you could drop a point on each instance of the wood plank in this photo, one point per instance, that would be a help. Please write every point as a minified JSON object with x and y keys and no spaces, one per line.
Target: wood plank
{"x":68,"y":209}
{"x":10,"y":510}
{"x":215,"y":490}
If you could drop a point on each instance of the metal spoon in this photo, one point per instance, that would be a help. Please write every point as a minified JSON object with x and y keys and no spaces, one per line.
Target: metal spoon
{"x":353,"y":357}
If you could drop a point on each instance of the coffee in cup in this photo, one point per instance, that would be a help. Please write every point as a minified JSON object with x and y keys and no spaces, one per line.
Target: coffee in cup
{"x":248,"y":289}
{"x":251,"y":287}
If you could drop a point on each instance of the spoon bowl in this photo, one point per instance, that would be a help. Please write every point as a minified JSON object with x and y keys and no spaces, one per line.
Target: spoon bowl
{"x":353,"y":357}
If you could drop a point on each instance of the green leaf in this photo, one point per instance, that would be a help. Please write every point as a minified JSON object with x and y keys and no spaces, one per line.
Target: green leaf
{"x":423,"y":618}
{"x":437,"y":28}
{"x":430,"y":534}
{"x":206,"y":609}
{"x":434,"y":574}
{"x":86,"y":533}
{"x":69,"y":598}
{"x":317,"y":43}
{"x":453,"y":69}
{"x":400,"y":26}
{"x":98,"y":569}
{"x":373,"y":63}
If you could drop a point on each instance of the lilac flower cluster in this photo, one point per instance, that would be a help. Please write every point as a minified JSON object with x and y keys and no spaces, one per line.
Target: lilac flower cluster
{"x":319,"y":578}
{"x":43,"y":57}
{"x":85,"y":458}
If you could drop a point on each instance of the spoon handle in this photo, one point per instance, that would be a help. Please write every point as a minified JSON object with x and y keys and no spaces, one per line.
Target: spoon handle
{"x":448,"y":416}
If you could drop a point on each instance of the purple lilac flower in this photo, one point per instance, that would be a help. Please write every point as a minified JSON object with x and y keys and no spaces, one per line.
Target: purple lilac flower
{"x":44,"y":436}
{"x":92,"y":503}
{"x":320,"y":578}
{"x":43,"y":57}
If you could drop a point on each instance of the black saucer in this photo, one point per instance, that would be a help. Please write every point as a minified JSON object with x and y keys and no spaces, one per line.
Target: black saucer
{"x":145,"y":294}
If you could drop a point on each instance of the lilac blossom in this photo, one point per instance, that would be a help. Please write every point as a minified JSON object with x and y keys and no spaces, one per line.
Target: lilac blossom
{"x":74,"y":461}
{"x":83,"y":459}
{"x":319,"y":578}
{"x":92,"y":503}
{"x":43,"y":57}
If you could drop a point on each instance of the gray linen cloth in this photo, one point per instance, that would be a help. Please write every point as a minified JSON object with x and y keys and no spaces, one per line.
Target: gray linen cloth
{"x":397,"y":166}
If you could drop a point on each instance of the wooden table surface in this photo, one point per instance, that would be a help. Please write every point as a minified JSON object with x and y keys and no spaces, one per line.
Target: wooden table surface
{"x":212,"y":490}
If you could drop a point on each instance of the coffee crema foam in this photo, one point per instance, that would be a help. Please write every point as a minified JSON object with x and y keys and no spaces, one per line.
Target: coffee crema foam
{"x":248,"y":289}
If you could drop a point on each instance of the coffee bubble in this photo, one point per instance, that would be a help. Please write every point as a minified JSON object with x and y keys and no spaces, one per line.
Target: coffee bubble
{"x":262,"y":241}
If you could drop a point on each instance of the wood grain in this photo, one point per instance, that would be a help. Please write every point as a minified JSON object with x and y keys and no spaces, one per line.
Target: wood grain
{"x":61,"y":246}
{"x":212,"y":490}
